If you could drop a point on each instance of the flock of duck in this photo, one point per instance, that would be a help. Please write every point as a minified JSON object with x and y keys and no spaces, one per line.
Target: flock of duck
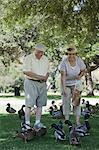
{"x":75,"y":132}
{"x":11,"y":110}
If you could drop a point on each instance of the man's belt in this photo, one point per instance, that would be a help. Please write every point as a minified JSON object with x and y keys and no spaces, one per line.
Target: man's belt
{"x":40,"y":81}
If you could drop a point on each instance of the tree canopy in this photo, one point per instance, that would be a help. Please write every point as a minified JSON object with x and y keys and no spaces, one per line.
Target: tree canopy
{"x":56,"y":23}
{"x":53,"y":22}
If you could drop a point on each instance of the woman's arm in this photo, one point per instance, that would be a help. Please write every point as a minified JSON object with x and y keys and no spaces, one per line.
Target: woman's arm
{"x":63,"y":82}
{"x":82,"y":68}
{"x":82,"y":73}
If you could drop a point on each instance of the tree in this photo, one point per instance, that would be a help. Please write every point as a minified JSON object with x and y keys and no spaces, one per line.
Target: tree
{"x":92,"y":63}
{"x":54,"y":22}
{"x":11,"y":78}
{"x":57,"y":21}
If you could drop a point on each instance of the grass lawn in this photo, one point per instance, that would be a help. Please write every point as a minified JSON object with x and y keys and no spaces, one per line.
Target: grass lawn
{"x":10,"y":123}
{"x":51,"y":95}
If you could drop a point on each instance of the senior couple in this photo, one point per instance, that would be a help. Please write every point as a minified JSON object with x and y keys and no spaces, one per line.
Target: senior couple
{"x":36,"y":70}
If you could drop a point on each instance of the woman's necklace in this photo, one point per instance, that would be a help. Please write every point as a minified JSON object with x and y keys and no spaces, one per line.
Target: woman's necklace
{"x":72,"y":64}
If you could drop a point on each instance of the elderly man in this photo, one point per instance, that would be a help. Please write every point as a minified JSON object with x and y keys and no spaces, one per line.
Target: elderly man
{"x":35,"y":68}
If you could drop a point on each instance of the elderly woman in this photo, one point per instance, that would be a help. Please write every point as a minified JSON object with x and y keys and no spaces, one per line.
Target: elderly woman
{"x":72,"y":68}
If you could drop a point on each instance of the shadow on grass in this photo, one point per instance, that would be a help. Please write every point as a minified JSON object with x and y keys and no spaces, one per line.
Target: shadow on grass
{"x":50,"y":96}
{"x":10,"y":123}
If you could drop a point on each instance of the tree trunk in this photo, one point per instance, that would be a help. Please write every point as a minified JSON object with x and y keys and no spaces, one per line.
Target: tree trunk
{"x":17,"y":91}
{"x":89,"y":83}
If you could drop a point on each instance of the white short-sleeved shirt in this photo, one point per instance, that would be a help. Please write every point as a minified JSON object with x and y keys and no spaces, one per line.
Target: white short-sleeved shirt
{"x":38,"y":66}
{"x":72,"y":72}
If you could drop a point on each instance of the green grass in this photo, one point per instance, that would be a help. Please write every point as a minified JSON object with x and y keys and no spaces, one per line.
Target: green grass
{"x":22,"y":97}
{"x":10,"y":123}
{"x":50,"y":96}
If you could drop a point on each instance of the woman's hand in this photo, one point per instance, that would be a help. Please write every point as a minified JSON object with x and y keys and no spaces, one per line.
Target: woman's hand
{"x":78,"y":77}
{"x":64,"y":93}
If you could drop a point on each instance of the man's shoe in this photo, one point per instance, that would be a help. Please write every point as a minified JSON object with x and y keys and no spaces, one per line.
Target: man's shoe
{"x":39,"y":126}
{"x":26,"y":127}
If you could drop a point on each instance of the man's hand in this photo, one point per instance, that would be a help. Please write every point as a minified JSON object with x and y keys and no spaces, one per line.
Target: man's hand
{"x":36,"y":76}
{"x":45,"y":77}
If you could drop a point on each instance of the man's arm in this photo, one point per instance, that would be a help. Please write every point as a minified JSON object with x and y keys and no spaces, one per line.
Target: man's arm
{"x":46,"y":77}
{"x":34,"y":75}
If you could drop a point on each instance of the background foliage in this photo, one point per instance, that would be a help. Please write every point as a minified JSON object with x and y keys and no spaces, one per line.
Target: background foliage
{"x":56,"y":23}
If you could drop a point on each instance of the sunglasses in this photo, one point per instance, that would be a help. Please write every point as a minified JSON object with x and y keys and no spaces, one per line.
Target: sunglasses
{"x":71,"y":53}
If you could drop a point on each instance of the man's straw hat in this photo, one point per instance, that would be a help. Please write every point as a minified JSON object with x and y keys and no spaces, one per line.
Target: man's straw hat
{"x":40,"y":47}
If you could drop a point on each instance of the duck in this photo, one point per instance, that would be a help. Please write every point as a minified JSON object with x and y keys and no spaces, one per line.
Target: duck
{"x":74,"y":138}
{"x":58,"y":131}
{"x":21,"y":113}
{"x":9,"y":109}
{"x":85,"y":127}
{"x":73,"y":135}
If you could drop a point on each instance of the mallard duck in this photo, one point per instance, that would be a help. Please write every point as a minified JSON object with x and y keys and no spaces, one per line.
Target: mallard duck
{"x":73,"y":135}
{"x":21,"y":113}
{"x":85,"y":127}
{"x":59,"y":133}
{"x":9,"y":109}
